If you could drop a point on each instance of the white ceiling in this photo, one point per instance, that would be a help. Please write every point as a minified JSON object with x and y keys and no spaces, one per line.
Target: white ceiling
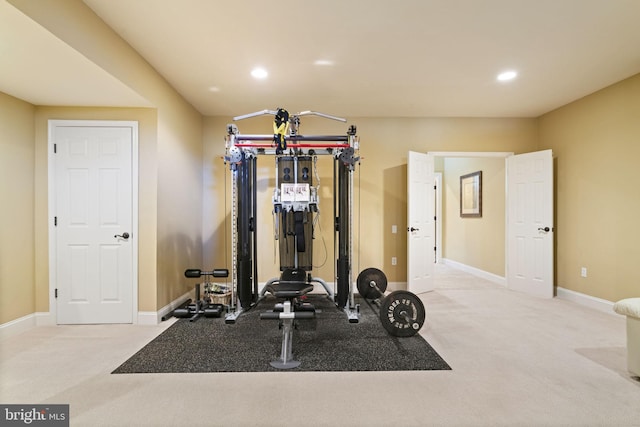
{"x":41,"y":69}
{"x":391,"y":58}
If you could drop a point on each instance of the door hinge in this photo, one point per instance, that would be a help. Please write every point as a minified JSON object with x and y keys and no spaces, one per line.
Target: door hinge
{"x":435,"y":187}
{"x":55,"y":221}
{"x":56,"y":294}
{"x":55,"y":148}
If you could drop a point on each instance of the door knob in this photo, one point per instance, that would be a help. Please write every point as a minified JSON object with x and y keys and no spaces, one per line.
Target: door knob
{"x":545,"y":229}
{"x":413,"y":229}
{"x":124,"y":235}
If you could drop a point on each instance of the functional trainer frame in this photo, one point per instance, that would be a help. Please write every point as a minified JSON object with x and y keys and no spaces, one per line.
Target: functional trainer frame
{"x":295,"y":200}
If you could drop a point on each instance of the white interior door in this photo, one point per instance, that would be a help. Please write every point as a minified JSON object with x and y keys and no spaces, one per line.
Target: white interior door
{"x":530,"y":223}
{"x":420,"y":222}
{"x":94,"y":268}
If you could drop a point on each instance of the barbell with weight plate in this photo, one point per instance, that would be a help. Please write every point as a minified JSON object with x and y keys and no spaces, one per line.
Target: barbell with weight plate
{"x":401,"y":313}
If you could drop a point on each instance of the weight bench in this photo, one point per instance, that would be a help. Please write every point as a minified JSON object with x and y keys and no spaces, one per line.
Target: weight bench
{"x":292,"y":285}
{"x":630,"y":307}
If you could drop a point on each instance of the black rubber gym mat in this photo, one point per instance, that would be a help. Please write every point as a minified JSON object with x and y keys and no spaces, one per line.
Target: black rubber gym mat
{"x":327,"y":343}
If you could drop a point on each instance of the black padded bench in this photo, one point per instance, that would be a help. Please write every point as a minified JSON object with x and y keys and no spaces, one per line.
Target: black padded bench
{"x":288,"y":290}
{"x":292,"y":285}
{"x":201,"y":307}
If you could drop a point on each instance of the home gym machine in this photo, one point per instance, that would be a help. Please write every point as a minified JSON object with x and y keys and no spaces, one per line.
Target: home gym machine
{"x":295,"y":202}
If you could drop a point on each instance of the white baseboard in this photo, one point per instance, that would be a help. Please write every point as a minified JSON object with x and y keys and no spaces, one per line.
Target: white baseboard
{"x":25,"y":323}
{"x":585,"y":300}
{"x":476,"y":272}
{"x":17,"y":326}
{"x":29,"y":321}
{"x":155,"y":317}
{"x":148,"y":318}
{"x":45,"y":318}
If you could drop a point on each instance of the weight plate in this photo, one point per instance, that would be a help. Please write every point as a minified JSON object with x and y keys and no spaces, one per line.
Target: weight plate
{"x":402,"y":313}
{"x":367,"y":281}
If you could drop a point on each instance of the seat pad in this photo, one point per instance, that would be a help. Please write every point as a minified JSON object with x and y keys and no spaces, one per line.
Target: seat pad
{"x":289,"y":289}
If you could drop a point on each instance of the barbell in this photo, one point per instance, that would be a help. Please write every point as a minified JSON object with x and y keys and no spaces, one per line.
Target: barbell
{"x":401,"y":313}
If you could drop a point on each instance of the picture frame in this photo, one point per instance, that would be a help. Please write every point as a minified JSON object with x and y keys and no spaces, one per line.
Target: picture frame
{"x":471,"y":195}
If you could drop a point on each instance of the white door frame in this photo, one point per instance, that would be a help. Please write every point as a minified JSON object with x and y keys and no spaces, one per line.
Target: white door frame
{"x":437,"y":179}
{"x":499,"y":154}
{"x":51,"y":208}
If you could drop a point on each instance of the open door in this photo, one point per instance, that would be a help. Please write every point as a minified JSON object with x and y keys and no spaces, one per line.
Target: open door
{"x":530,"y":223}
{"x":420,"y":222}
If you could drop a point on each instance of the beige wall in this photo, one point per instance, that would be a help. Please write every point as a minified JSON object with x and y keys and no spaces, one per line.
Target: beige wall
{"x":173,"y":162}
{"x":382,"y":178}
{"x":596,"y":143}
{"x":17,"y":245}
{"x":476,"y":242}
{"x":179,"y":208}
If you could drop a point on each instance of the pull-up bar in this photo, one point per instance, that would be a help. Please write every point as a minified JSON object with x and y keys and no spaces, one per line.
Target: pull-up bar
{"x":302,"y":113}
{"x":303,"y":145}
{"x":293,"y":138}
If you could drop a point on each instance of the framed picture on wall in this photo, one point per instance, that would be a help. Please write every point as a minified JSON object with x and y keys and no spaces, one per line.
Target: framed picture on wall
{"x":471,"y":195}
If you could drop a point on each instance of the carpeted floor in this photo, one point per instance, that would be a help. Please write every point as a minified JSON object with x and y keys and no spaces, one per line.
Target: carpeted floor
{"x":327,"y":343}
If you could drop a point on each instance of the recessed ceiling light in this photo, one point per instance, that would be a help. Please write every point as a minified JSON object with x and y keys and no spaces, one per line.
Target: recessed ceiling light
{"x":259,"y":73}
{"x":323,"y":62}
{"x":214,"y":89}
{"x":507,"y":75}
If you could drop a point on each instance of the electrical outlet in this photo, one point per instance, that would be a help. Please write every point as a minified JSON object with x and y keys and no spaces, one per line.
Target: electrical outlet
{"x":394,"y":229}
{"x":583,"y":272}
{"x":394,"y":260}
